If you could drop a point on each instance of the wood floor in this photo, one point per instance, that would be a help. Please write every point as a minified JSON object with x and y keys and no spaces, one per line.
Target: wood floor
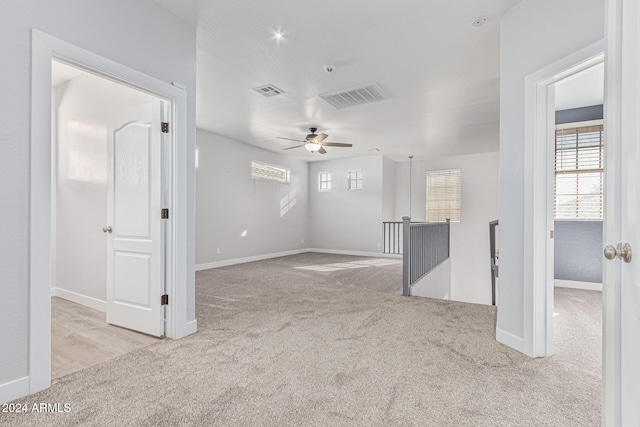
{"x":81,"y":337}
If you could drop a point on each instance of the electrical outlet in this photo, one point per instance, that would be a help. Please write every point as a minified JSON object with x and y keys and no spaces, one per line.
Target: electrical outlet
{"x":379,"y":244}
{"x":217,"y":251}
{"x":302,"y":240}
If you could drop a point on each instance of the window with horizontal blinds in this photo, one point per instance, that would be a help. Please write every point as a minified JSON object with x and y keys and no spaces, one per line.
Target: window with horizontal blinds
{"x":578,"y":173}
{"x":444,"y":191}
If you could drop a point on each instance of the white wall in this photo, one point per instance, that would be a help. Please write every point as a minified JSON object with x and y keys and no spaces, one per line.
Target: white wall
{"x":123,"y":31}
{"x":85,"y":105}
{"x":534,"y":34}
{"x":347,"y":220}
{"x":436,"y":284}
{"x":388,"y":189}
{"x":241,"y":215}
{"x":470,"y":266}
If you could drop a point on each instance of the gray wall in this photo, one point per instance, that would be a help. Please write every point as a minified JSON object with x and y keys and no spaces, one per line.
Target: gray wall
{"x":167,"y":55}
{"x":578,"y":244}
{"x":241,"y":215}
{"x":582,"y":114}
{"x":347,"y":220}
{"x":578,"y":251}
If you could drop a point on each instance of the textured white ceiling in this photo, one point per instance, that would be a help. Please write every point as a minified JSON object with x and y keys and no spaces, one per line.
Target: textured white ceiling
{"x":440,"y":73}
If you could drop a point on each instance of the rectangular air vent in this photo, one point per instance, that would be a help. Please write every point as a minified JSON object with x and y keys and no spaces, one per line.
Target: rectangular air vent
{"x":268,"y":90}
{"x":355,"y":96}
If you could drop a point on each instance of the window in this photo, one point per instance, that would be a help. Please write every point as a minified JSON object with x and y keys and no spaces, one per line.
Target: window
{"x":354,"y":179}
{"x":261,"y":170}
{"x":578,"y":173}
{"x":324,"y":181}
{"x":443,"y":195}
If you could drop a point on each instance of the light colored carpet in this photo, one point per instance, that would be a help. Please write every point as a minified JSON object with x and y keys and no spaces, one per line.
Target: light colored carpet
{"x":284,"y":346}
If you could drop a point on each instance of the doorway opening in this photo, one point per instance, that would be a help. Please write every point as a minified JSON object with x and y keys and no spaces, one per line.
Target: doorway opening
{"x":538,"y":236}
{"x":578,"y":208}
{"x":179,"y":320}
{"x":84,"y":109}
{"x":539,"y":156}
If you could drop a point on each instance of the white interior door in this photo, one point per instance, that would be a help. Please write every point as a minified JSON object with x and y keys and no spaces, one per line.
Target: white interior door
{"x":624,"y":83}
{"x":135,"y":255}
{"x":630,"y":209}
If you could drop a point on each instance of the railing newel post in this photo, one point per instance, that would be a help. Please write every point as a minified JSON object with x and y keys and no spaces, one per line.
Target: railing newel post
{"x":406,"y":254}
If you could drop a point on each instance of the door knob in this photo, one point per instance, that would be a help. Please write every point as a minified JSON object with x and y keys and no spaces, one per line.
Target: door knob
{"x":107,"y":229}
{"x":621,"y":251}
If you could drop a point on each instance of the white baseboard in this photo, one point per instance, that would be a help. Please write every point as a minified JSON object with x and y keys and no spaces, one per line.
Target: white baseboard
{"x":573,"y":284}
{"x":510,"y":340}
{"x":14,"y":389}
{"x":235,"y":261}
{"x":355,"y":253}
{"x":90,"y":302}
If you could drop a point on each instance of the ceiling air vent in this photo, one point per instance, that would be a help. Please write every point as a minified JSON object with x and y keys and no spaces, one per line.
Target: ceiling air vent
{"x":268,"y":90}
{"x":355,"y":96}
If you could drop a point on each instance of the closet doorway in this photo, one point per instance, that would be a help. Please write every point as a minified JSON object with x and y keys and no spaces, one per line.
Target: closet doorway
{"x":107,"y":252}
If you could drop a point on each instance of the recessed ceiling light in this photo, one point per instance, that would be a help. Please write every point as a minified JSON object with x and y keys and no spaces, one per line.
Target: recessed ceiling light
{"x":278,"y":35}
{"x":480,"y":21}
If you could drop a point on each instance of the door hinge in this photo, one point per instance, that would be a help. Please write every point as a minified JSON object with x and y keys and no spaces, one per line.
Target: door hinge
{"x":164,"y":213}
{"x":551,"y":234}
{"x":164,"y":299}
{"x":165,"y":127}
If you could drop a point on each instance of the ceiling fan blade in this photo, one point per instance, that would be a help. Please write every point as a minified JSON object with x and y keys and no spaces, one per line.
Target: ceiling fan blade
{"x":289,"y":139}
{"x":295,"y":146}
{"x":336,"y":144}
{"x":321,"y":137}
{"x":322,"y":151}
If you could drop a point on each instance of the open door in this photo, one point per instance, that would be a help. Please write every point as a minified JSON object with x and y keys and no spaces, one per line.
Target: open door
{"x":135,"y":248}
{"x":629,"y":215}
{"x":622,"y":271}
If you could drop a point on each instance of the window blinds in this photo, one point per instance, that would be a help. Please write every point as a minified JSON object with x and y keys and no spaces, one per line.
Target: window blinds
{"x":443,"y":195}
{"x":578,"y":173}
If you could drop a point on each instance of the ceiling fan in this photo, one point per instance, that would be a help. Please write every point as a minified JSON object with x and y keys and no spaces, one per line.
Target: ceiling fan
{"x":315,"y":142}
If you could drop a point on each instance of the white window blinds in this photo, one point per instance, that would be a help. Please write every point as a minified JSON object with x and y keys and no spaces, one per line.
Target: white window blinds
{"x":443,"y":195}
{"x":578,"y":173}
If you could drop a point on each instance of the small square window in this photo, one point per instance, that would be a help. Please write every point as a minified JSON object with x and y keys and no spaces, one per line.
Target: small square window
{"x":324,"y":181}
{"x":354,"y":179}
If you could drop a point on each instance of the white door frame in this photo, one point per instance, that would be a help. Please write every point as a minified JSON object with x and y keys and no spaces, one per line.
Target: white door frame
{"x":538,"y":211}
{"x":45,"y":48}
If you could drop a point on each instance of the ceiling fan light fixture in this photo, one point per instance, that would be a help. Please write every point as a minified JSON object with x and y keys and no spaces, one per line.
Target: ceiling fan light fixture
{"x":312,"y":146}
